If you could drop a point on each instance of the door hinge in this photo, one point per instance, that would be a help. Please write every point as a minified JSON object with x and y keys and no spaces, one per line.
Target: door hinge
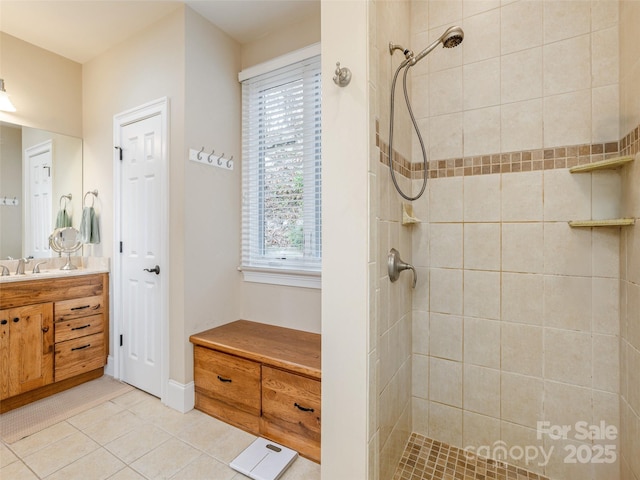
{"x":120,"y":340}
{"x":119,"y":151}
{"x":120,"y":247}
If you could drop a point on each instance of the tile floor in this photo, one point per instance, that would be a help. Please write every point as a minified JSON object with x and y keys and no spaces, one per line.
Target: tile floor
{"x":134,"y":437}
{"x":424,"y":458}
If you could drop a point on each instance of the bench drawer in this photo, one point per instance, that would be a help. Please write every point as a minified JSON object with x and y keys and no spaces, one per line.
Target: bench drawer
{"x":231,"y":381}
{"x":291,"y":411}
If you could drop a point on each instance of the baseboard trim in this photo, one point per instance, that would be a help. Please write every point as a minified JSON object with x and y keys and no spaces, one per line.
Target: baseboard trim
{"x":109,"y":368}
{"x":180,"y":397}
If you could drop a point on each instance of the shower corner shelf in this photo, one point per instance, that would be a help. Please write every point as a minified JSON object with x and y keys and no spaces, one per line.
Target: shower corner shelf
{"x":608,"y":164}
{"x":613,"y":222}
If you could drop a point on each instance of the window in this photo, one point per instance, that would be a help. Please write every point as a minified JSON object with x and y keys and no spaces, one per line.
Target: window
{"x":281,"y":170}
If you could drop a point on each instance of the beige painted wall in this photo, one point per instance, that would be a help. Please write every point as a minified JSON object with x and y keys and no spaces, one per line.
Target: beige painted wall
{"x":148,"y":66}
{"x":45,"y":88}
{"x":10,"y":186}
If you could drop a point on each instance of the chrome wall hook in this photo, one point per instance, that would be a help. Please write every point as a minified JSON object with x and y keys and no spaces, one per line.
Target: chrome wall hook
{"x":342,"y":76}
{"x":210,"y":155}
{"x":200,"y":153}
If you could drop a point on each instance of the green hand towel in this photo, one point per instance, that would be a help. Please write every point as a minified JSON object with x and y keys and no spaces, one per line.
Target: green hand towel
{"x":89,"y":228}
{"x":63,"y":219}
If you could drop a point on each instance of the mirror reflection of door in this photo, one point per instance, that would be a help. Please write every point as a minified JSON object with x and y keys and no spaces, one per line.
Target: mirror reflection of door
{"x":38,"y":204}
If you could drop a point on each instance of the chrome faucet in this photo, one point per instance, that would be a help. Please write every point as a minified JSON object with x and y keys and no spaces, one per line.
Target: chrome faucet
{"x":21,"y":263}
{"x":5,"y":271}
{"x":36,"y":267}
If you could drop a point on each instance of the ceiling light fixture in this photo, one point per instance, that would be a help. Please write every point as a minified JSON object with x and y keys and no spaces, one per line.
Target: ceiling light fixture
{"x":5,"y":103}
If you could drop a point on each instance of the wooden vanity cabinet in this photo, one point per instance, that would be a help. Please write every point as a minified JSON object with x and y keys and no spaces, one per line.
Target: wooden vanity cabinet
{"x":55,"y":336}
{"x":26,"y":348}
{"x":263,"y":379}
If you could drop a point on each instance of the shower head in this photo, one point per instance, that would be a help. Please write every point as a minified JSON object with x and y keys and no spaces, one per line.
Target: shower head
{"x":452,"y":37}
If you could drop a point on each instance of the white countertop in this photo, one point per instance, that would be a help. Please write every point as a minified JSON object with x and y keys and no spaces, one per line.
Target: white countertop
{"x":51,"y":269}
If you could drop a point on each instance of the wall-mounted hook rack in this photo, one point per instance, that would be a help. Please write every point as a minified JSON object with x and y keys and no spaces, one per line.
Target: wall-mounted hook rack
{"x":210,"y":159}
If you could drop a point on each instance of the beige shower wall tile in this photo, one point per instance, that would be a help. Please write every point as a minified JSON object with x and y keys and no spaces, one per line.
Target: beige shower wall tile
{"x":474,"y":7}
{"x":482,"y":36}
{"x":446,"y":199}
{"x":445,"y":92}
{"x":521,"y":126}
{"x":481,"y":131}
{"x":482,"y":195}
{"x":420,"y":415}
{"x":518,"y":436}
{"x":566,"y":19}
{"x":481,"y":390}
{"x":566,"y":404}
{"x":566,"y":196}
{"x":481,"y":82}
{"x":521,"y":75}
{"x":445,"y":336}
{"x":567,"y":118}
{"x":420,"y":376}
{"x":522,"y":399}
{"x":482,"y":342}
{"x":604,"y":14}
{"x":522,"y":349}
{"x":606,"y":252}
{"x":522,"y":247}
{"x":479,"y":430}
{"x":567,"y":302}
{"x":606,"y":305}
{"x":446,"y":136}
{"x":605,"y":111}
{"x":482,"y":246}
{"x":568,"y":357}
{"x":605,"y":57}
{"x":445,"y":294}
{"x":446,"y":245}
{"x":420,"y":332}
{"x":567,"y":251}
{"x":522,"y":197}
{"x":572,"y":55}
{"x":442,"y":12}
{"x":445,"y":381}
{"x":606,"y":363}
{"x":522,"y":298}
{"x":521,"y":26}
{"x":482,"y":294}
{"x":445,"y":423}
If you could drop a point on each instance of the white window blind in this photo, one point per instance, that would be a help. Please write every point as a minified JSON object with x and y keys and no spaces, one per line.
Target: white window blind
{"x":281,"y":169}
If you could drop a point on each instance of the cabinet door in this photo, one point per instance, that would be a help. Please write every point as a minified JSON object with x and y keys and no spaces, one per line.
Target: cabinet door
{"x":28,"y":360}
{"x":4,"y":354}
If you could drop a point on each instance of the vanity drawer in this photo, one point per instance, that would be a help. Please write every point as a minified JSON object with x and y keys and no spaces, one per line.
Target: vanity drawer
{"x":78,"y":327}
{"x":232,"y":380}
{"x":81,"y":355}
{"x":79,"y":307}
{"x":291,"y":411}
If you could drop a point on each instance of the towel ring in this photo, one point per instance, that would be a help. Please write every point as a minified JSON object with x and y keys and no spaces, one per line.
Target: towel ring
{"x":94,"y":194}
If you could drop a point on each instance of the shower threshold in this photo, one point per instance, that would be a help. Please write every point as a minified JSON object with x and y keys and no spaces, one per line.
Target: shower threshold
{"x":427,"y":459}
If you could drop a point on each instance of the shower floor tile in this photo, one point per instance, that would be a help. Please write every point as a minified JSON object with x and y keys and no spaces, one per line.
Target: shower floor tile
{"x":427,"y":459}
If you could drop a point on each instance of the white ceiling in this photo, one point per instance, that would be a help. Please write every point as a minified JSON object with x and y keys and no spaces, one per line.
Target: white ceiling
{"x":83,"y":29}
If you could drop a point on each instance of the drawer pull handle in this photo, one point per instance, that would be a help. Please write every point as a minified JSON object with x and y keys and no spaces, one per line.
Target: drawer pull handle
{"x":4,"y":322}
{"x":45,"y":329}
{"x":16,"y":320}
{"x":80,"y":308}
{"x":224,"y":380}
{"x":304,"y":409}
{"x":82,"y":327}
{"x":82,"y":347}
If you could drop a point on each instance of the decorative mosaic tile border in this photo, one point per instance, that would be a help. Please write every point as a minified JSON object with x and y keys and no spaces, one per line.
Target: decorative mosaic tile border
{"x":523,"y":161}
{"x":424,"y":458}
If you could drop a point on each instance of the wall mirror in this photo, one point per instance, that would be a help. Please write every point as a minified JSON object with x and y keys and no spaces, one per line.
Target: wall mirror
{"x":40,"y":175}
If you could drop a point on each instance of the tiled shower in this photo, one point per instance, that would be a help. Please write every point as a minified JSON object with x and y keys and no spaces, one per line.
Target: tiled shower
{"x":517,"y":318}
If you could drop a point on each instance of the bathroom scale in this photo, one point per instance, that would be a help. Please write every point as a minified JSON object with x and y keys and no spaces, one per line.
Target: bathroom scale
{"x":264,"y":460}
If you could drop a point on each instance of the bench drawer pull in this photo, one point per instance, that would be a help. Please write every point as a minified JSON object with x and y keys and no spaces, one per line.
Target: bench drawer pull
{"x":304,"y":409}
{"x":82,"y":347}
{"x":224,"y":380}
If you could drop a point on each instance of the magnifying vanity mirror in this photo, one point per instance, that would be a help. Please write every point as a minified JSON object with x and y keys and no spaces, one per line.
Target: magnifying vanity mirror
{"x":40,"y":175}
{"x":65,"y":240}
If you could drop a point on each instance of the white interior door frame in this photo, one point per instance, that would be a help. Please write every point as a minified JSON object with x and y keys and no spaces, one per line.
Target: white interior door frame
{"x":29,"y":231}
{"x":156,"y":107}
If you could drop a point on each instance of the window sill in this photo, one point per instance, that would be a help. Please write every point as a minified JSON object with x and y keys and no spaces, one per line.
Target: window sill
{"x":291,"y":278}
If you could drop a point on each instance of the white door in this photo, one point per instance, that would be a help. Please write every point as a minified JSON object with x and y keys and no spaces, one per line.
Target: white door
{"x":38,"y":205}
{"x":142,"y":177}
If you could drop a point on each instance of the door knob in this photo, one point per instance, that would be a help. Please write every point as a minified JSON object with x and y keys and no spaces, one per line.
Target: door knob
{"x":155,"y":270}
